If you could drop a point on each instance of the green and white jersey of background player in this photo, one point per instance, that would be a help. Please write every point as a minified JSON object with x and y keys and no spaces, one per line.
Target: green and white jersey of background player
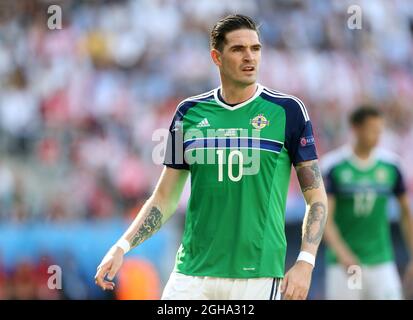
{"x":239,"y":158}
{"x":362,"y":195}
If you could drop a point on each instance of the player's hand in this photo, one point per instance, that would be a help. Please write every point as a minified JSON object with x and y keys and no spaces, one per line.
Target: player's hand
{"x":109,"y":266}
{"x":296,"y":282}
{"x":348,"y":259}
{"x":408,"y":273}
{"x":408,"y":280}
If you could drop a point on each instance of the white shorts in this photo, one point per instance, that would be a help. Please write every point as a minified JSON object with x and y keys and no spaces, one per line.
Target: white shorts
{"x":377,"y":282}
{"x":184,"y":287}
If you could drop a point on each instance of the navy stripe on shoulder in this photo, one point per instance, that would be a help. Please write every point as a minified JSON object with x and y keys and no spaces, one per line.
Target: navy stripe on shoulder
{"x":291,"y":107}
{"x":286,"y":101}
{"x":188,"y":103}
{"x":299,"y":136}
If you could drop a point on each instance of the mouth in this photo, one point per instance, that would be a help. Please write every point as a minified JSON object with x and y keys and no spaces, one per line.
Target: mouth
{"x":248,"y":68}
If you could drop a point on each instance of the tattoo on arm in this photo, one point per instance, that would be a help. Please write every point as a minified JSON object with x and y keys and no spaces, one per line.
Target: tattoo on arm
{"x":315,"y":222}
{"x":151,"y":224}
{"x":309,"y":176}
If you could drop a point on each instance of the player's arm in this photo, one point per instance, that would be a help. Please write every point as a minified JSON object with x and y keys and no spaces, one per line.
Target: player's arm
{"x":154,"y":213}
{"x":406,"y":224}
{"x":297,"y":280}
{"x":333,"y":238}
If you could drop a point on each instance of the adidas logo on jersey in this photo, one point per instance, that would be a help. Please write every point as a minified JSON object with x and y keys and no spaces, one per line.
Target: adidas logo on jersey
{"x":204,"y":123}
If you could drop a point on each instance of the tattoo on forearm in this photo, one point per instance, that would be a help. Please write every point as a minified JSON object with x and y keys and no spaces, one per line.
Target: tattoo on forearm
{"x":315,"y":222}
{"x":151,"y":224}
{"x":309,"y":176}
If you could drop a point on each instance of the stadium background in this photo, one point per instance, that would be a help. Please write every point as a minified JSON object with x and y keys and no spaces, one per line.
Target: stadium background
{"x":78,"y":107}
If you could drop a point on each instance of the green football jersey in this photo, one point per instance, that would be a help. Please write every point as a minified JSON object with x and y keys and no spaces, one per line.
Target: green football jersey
{"x":362,"y":195}
{"x":239,"y":158}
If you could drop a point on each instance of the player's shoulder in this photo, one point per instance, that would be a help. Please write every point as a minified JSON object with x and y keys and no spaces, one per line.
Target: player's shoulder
{"x":200,"y":97}
{"x":334,"y":158}
{"x":388,"y":157}
{"x":292,"y":104}
{"x":187,"y":103}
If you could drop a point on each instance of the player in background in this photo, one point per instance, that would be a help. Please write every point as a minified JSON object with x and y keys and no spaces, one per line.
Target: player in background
{"x":244,"y":138}
{"x":360,"y":179}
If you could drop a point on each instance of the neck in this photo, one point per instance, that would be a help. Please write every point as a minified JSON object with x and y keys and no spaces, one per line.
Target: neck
{"x":233,"y":93}
{"x":362,"y":152}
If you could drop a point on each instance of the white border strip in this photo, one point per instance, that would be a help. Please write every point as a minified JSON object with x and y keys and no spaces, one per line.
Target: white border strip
{"x":222,"y":104}
{"x":209,"y":138}
{"x":193,"y":98}
{"x":232,"y":147}
{"x":282,"y":95}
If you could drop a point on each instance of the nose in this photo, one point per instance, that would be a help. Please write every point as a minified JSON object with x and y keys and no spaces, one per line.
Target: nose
{"x":248,"y":55}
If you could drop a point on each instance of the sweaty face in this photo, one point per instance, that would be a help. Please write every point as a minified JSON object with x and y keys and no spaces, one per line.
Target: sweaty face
{"x":368,"y":133}
{"x":240,"y":57}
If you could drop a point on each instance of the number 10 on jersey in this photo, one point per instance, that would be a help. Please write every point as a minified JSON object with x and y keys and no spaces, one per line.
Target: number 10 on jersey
{"x":231,"y":156}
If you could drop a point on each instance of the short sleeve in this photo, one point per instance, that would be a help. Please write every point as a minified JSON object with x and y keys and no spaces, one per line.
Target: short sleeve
{"x":174,"y":154}
{"x":299,"y":133}
{"x":399,"y":185}
{"x":329,"y":182}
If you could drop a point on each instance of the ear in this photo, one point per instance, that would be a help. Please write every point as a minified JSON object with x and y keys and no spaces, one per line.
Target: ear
{"x":216,"y":57}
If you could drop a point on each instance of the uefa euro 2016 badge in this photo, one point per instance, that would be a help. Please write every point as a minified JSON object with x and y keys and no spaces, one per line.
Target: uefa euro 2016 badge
{"x":259,"y":122}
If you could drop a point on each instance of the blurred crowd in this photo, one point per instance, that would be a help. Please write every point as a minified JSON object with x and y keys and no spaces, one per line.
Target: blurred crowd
{"x":79,"y":105}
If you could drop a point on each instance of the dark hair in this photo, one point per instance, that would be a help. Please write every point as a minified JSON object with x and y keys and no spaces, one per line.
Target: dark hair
{"x":360,"y":114}
{"x":228,"y":24}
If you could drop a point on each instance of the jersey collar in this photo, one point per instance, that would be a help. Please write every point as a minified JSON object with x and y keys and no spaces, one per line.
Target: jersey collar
{"x":240,"y":105}
{"x":364,"y":165}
